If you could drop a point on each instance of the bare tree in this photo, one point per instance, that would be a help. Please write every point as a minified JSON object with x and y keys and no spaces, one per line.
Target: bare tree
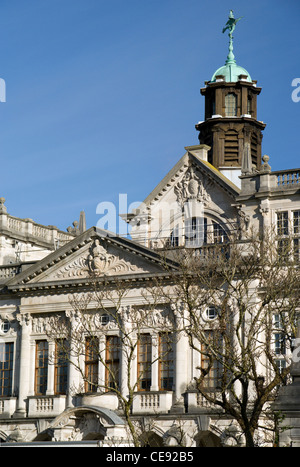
{"x":101,"y":327}
{"x":238,"y":303}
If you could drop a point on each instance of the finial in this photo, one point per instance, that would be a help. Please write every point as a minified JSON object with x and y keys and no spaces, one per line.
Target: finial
{"x":82,"y":222}
{"x":265,"y":166}
{"x":78,"y":227}
{"x":230,"y":25}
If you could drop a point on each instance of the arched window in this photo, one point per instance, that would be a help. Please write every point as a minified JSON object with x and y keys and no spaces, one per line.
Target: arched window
{"x":231,"y":105}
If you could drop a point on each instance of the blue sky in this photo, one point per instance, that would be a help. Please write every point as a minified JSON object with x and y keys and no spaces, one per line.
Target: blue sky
{"x":103,"y":96}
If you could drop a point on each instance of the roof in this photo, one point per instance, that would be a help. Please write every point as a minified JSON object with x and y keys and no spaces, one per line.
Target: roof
{"x":231,"y":72}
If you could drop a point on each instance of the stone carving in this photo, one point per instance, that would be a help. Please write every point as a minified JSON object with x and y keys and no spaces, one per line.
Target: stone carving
{"x":243,"y":220}
{"x":191,"y":187}
{"x":77,"y":268}
{"x":7,"y":325}
{"x":159,"y":318}
{"x":24,"y":319}
{"x":43,"y":325}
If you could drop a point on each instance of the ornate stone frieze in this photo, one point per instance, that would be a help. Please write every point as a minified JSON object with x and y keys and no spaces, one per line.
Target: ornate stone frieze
{"x":43,"y":324}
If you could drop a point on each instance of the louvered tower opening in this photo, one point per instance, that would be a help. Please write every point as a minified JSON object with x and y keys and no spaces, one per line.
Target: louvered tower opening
{"x":254,"y":144}
{"x":231,"y":148}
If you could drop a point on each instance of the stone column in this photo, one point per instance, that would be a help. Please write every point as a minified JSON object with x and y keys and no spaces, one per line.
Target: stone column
{"x":101,"y":365}
{"x":181,"y":367}
{"x":74,"y":379}
{"x":24,"y":364}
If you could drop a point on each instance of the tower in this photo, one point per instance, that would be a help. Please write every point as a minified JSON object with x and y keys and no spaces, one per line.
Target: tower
{"x":231,"y":128}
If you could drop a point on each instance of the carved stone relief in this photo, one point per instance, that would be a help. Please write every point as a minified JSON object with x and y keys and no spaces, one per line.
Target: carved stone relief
{"x":43,"y":324}
{"x":97,"y":260}
{"x":192,"y":186}
{"x":7,"y":325}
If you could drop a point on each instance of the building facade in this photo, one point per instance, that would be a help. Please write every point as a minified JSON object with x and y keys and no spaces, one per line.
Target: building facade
{"x":220,"y":186}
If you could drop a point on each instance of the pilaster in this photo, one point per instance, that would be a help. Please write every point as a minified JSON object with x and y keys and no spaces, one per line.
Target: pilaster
{"x":24,"y":362}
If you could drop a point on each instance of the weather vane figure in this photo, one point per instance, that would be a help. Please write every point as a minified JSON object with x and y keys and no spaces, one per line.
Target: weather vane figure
{"x":230,"y":25}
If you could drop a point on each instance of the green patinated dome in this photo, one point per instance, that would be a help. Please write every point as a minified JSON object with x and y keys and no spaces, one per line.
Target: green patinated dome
{"x":231,"y":72}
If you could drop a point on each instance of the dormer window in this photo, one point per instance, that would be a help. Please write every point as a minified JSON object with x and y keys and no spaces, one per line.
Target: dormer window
{"x":230,"y":105}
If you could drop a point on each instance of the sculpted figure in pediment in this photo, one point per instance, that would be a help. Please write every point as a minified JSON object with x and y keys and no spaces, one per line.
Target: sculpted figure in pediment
{"x":99,"y":257}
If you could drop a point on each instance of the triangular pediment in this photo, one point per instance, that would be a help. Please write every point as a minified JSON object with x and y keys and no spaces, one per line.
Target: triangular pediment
{"x":192,"y":178}
{"x":94,"y":253}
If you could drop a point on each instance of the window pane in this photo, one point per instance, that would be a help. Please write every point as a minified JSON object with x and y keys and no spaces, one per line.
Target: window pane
{"x":195,"y":232}
{"x":282,"y":223}
{"x":230,"y":105}
{"x":296,"y":222}
{"x":166,"y":362}
{"x":279,"y":343}
{"x":112,"y":363}
{"x":144,"y":362}
{"x":41,"y":367}
{"x":91,"y":364}
{"x":6,"y":368}
{"x":61,"y":367}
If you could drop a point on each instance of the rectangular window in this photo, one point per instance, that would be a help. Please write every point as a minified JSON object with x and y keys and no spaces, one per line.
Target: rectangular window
{"x":166,"y":362}
{"x":288,"y":230}
{"x":296,"y":222}
{"x":91,"y":364}
{"x":296,"y":232}
{"x":283,"y":243}
{"x":283,"y":249}
{"x":281,"y":364}
{"x":282,"y":223}
{"x":195,"y":232}
{"x":61,"y":367}
{"x":279,"y":343}
{"x":212,"y":365}
{"x":6,"y":368}
{"x":230,"y":105}
{"x":41,"y":367}
{"x":144,"y":362}
{"x":112,"y":362}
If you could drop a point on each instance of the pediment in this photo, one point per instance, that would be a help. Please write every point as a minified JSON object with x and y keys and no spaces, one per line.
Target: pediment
{"x":191,"y":180}
{"x":93,"y":254}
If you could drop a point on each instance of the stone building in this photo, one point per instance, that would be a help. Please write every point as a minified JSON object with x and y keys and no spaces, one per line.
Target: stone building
{"x":217,"y":187}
